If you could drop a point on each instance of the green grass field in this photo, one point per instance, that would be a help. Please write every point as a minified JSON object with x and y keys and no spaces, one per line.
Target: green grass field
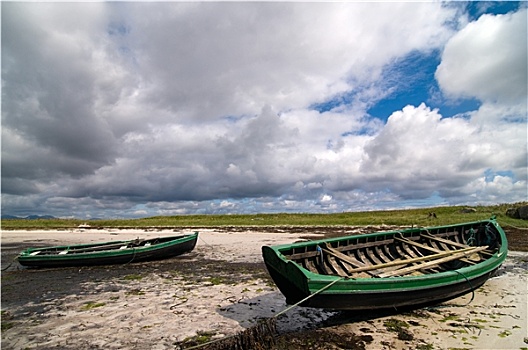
{"x":408,"y":217}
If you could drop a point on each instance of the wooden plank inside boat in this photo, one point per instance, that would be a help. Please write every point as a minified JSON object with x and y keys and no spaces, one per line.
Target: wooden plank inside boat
{"x":343,"y":248}
{"x":433,"y":257}
{"x":334,"y":264}
{"x":450,"y":257}
{"x":429,"y":248}
{"x":452,"y":243}
{"x":343,"y":257}
{"x":310,"y":266}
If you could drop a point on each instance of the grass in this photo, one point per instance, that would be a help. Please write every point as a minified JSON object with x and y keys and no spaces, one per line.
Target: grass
{"x":135,"y":292}
{"x":505,"y":334}
{"x":480,"y":320}
{"x":7,"y":325}
{"x":403,"y":217}
{"x":451,"y":317}
{"x":215,"y":280}
{"x":201,"y":337}
{"x":91,"y":305}
{"x":6,"y":318}
{"x":395,"y":325}
{"x":399,"y":327}
{"x":132,"y":277}
{"x":425,"y":347}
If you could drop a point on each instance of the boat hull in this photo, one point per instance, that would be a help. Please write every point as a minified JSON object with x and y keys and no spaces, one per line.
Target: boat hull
{"x":377,"y":300}
{"x":170,"y":247}
{"x":330,"y":291}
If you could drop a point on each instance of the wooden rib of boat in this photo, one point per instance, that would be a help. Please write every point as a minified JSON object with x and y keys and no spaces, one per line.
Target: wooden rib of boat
{"x":395,"y":269}
{"x":113,"y":252}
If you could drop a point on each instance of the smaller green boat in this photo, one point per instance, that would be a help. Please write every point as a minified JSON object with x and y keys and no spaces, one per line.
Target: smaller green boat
{"x":113,"y":252}
{"x":388,"y":270}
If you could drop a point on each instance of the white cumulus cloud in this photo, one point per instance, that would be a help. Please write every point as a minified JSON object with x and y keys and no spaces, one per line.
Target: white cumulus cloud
{"x":487,"y":60}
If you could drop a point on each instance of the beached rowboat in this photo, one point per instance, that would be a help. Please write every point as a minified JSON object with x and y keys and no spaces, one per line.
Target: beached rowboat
{"x":395,"y":269}
{"x":113,"y":252}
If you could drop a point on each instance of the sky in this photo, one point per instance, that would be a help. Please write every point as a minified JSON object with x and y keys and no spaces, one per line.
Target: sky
{"x":136,"y":109}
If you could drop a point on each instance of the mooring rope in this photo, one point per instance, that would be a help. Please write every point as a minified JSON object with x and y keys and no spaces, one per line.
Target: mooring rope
{"x":11,"y":263}
{"x":133,"y":256}
{"x":449,"y":305}
{"x":265,"y":325}
{"x":515,"y":227}
{"x":201,"y":239}
{"x":308,"y":297}
{"x":470,"y":286}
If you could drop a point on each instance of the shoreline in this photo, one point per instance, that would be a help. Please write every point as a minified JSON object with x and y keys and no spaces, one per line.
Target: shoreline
{"x":219,"y":289}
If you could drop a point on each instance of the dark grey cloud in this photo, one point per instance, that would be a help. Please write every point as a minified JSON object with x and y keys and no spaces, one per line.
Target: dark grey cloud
{"x":50,"y":93}
{"x":131,"y":109}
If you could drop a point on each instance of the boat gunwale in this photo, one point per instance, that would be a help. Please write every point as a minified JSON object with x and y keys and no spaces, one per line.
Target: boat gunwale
{"x":379,"y":233}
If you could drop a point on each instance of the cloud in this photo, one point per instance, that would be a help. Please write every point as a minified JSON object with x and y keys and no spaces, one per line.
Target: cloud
{"x":52,"y":89}
{"x":200,"y":65}
{"x":419,"y":153}
{"x":487,"y":60}
{"x":123,"y":109}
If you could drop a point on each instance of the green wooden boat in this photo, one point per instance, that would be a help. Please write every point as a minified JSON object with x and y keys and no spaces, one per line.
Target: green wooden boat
{"x":387,"y":270}
{"x":113,"y":252}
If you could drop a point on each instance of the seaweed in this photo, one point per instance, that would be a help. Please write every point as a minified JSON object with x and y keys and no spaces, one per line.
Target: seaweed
{"x":91,"y":305}
{"x":400,"y":327}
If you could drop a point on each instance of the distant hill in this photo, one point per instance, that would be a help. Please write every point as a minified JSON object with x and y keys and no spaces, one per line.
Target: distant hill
{"x":9,"y":217}
{"x":29,"y":217}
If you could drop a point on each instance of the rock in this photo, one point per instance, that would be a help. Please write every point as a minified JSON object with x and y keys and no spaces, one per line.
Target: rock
{"x":518,"y":213}
{"x":468,"y":210}
{"x":512,"y":213}
{"x":523,"y":212}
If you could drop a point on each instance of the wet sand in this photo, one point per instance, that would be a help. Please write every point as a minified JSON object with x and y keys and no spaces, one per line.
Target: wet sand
{"x":221,"y":288}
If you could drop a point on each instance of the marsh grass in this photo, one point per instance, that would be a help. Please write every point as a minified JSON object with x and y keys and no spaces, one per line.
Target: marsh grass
{"x":405,"y":217}
{"x":91,"y":305}
{"x":400,"y":327}
{"x":132,"y":277}
{"x":135,"y":291}
{"x":505,"y":333}
{"x":215,"y":281}
{"x":7,"y":325}
{"x":451,"y":317}
{"x":6,"y":320}
{"x":201,"y":337}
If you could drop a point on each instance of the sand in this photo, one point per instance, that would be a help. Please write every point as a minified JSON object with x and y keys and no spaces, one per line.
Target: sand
{"x":154,"y":306}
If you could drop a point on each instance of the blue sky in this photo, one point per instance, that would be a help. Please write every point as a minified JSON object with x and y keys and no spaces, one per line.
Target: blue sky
{"x":139,"y":109}
{"x":412,"y":76}
{"x":415,"y":84}
{"x":416,"y":71}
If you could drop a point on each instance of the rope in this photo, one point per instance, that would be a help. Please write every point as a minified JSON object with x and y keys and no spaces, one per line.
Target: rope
{"x":210,"y":245}
{"x":449,"y":305}
{"x":308,"y":297}
{"x":471,"y":241}
{"x":266,"y":324}
{"x":133,"y":256}
{"x":11,"y":263}
{"x":515,"y":227}
{"x":470,"y":285}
